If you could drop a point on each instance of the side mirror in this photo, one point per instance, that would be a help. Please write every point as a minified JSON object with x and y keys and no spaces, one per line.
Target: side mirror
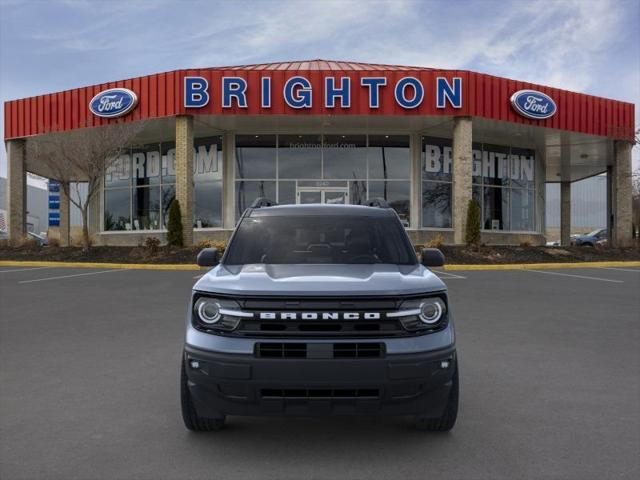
{"x":432,"y":257}
{"x":208,"y":257}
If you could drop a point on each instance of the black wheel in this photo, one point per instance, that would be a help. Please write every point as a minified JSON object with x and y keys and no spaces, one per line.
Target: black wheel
{"x":191,"y":419}
{"x":450,"y":414}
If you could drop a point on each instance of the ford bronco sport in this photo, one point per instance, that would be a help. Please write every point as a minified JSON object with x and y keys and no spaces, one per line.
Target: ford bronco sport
{"x":319,"y":310}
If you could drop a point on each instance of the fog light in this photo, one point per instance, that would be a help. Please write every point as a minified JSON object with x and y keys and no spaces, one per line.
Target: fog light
{"x":194,"y":364}
{"x":444,"y":364}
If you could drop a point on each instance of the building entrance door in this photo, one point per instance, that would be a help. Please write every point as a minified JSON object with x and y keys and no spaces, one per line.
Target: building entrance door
{"x":322,"y":195}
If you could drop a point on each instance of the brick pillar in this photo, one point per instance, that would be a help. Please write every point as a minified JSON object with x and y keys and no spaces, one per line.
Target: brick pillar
{"x":184,"y":174}
{"x":416,"y":182}
{"x":16,"y":191}
{"x":65,"y":218}
{"x":621,"y":185}
{"x":228,"y":181}
{"x":565,"y":213}
{"x":462,"y":175}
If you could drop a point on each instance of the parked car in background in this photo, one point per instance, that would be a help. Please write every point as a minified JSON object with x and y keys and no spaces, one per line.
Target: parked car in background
{"x":591,"y":238}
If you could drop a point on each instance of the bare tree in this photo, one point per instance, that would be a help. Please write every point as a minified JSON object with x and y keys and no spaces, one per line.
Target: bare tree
{"x":82,"y":156}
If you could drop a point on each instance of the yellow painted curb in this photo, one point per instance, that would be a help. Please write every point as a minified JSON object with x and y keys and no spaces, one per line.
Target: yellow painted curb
{"x":542,"y":266}
{"x":131,"y":266}
{"x":189,"y":266}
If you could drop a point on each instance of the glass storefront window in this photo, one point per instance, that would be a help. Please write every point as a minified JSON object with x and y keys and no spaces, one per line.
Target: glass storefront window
{"x":208,"y":205}
{"x":168,"y":162}
{"x":495,"y":165}
{"x":358,"y":192}
{"x":496,"y":208}
{"x":255,"y":156}
{"x":344,"y":157}
{"x":437,"y":174}
{"x":207,"y":178}
{"x":436,"y":204}
{"x":286,"y":192}
{"x":145,"y":165}
{"x":207,"y":159}
{"x":248,"y":191}
{"x":168,"y":194}
{"x":117,"y":205}
{"x":118,"y":174}
{"x":152,"y":168}
{"x":300,"y":156}
{"x":389,"y":157}
{"x":522,"y":163}
{"x":522,"y":209}
{"x":146,"y":208}
{"x":396,"y":193}
{"x":437,"y":161}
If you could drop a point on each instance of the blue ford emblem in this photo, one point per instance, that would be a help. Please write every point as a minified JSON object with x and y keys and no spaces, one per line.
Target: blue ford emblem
{"x":114,"y":102}
{"x":533,"y":104}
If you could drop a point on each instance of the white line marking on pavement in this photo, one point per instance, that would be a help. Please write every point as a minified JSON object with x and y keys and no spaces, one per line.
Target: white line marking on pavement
{"x":24,"y":269}
{"x":576,"y":276}
{"x":622,"y":269}
{"x":70,"y":276}
{"x":449,"y":275}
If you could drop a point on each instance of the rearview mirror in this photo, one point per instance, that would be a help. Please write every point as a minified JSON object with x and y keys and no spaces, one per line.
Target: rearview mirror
{"x":431,"y":257}
{"x":208,"y":257}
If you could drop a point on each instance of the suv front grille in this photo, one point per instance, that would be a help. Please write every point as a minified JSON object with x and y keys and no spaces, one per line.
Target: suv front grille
{"x":319,"y":350}
{"x":257,"y":327}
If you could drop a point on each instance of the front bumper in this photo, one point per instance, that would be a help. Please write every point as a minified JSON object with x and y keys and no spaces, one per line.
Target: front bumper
{"x":240,"y":384}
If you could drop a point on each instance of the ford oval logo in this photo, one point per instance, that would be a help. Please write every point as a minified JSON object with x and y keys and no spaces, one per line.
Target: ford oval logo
{"x":114,"y":102}
{"x":533,"y":104}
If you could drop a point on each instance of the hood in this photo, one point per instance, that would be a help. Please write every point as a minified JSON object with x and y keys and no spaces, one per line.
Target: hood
{"x":319,"y":280}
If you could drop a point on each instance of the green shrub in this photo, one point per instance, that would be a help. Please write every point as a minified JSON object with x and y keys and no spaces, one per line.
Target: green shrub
{"x":152,"y":245}
{"x":472,"y":234}
{"x":174,"y":226}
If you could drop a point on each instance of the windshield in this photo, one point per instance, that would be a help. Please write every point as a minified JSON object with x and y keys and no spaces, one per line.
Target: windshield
{"x":594,"y":233}
{"x":316,"y":239}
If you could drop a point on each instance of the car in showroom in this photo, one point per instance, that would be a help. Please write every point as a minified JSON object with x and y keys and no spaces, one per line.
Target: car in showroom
{"x":319,"y":309}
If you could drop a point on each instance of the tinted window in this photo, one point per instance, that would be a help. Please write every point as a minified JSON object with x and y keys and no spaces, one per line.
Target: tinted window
{"x":320,"y":239}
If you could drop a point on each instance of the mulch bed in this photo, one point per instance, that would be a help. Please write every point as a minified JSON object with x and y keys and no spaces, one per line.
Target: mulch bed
{"x":515,"y":254}
{"x":453,"y":254}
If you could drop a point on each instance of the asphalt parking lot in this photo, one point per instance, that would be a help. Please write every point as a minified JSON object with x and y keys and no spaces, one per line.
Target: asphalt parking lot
{"x":550,"y":386}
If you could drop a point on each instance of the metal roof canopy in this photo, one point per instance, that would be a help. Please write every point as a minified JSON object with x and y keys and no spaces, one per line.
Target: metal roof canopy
{"x":160,"y":95}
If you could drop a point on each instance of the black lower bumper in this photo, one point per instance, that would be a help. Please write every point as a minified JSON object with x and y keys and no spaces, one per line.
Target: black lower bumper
{"x":229,"y":384}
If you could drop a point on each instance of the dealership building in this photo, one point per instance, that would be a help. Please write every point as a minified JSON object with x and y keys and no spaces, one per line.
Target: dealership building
{"x":426,"y":140}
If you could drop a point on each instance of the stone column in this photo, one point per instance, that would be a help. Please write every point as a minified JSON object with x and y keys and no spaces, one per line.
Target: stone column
{"x":565,"y":213}
{"x":184,"y":174}
{"x":416,"y":181}
{"x":621,"y":184}
{"x":228,"y":181}
{"x":16,"y":191}
{"x":65,"y":218}
{"x":462,"y":175}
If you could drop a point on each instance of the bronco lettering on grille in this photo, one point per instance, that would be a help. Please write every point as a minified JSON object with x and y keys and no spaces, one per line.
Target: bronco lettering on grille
{"x":320,"y":316}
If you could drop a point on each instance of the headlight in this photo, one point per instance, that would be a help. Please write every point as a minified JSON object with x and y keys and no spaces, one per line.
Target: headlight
{"x":422,"y":313}
{"x":211,"y":313}
{"x":431,"y":311}
{"x":208,"y":310}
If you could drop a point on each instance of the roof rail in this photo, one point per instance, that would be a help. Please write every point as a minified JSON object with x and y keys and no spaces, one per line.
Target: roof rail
{"x":262,"y":202}
{"x":377,"y":202}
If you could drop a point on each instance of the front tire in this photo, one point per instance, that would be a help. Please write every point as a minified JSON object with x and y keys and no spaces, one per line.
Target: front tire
{"x":447,"y":420}
{"x":192,"y":420}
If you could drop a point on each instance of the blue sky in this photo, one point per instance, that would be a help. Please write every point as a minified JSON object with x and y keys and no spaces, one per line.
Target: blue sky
{"x":582,"y":45}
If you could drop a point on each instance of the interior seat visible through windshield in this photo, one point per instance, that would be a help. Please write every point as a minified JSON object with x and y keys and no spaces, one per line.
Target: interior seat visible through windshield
{"x":317,"y":239}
